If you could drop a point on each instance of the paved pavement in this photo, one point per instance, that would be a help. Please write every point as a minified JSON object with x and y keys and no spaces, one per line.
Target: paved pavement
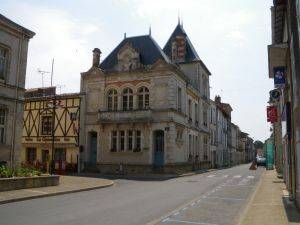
{"x":271,"y":204}
{"x":68,"y":184}
{"x":216,"y":197}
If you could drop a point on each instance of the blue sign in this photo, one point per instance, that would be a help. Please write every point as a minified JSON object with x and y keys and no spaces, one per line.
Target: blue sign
{"x":279,"y":76}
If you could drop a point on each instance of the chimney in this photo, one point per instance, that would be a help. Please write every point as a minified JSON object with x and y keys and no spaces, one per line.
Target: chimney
{"x":96,"y":57}
{"x":218,"y":99}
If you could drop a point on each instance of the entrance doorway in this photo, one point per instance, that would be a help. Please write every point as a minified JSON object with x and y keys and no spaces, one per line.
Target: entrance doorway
{"x":159,"y":156}
{"x":93,"y":148}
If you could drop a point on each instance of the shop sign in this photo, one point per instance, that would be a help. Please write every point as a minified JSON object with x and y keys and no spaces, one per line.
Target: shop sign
{"x":272,"y":114}
{"x":279,"y":76}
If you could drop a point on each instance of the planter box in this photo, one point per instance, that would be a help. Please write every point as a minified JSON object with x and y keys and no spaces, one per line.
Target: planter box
{"x":8,"y":184}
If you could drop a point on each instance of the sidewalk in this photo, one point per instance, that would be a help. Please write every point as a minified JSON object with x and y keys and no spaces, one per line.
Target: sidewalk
{"x":270,"y":204}
{"x":68,"y":184}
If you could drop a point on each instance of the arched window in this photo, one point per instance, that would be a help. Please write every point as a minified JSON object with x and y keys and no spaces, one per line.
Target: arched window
{"x":112,"y":100}
{"x":127,"y":99}
{"x":143,"y":98}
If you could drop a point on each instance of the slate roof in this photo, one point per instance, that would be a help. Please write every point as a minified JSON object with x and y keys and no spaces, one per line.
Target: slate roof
{"x":26,"y":31}
{"x":191,"y":54}
{"x":149,"y":51}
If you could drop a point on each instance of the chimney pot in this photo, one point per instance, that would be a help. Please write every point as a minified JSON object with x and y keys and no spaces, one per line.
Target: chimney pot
{"x":96,"y":57}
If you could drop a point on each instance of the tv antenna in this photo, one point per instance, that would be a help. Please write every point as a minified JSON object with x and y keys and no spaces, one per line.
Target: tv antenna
{"x":60,"y":86}
{"x":42,"y":73}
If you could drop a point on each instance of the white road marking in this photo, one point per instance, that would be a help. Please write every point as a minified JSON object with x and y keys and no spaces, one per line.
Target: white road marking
{"x":165,"y":220}
{"x":237,"y":176}
{"x":193,"y":204}
{"x":211,"y":175}
{"x":236,"y":185}
{"x":189,"y":222}
{"x":185,"y":208}
{"x":235,"y":199}
{"x":175,"y":214}
{"x":225,"y":175}
{"x":250,"y":177}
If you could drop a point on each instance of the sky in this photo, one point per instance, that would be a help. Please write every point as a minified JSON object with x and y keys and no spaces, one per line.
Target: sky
{"x":231,"y":38}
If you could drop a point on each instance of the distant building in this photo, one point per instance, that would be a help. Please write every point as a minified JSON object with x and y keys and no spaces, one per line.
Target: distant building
{"x":51,"y":124}
{"x":146,"y":107}
{"x":13,"y":60}
{"x":223,"y":131}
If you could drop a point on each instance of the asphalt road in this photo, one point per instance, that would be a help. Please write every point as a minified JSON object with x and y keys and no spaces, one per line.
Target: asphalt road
{"x":214,"y":198}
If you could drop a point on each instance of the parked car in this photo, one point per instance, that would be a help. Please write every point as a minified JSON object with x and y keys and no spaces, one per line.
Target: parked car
{"x":260,"y":161}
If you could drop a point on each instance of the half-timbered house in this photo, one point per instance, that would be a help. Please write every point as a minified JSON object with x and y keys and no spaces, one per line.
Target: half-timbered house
{"x":51,"y":124}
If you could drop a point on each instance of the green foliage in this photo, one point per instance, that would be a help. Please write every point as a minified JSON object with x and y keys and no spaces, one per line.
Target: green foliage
{"x":22,"y":171}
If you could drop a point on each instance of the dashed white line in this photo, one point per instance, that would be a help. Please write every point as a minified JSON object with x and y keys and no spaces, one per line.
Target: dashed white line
{"x":211,"y":175}
{"x":188,"y":222}
{"x":250,"y":177}
{"x":235,"y":199}
{"x":226,"y":175}
{"x":237,"y":176}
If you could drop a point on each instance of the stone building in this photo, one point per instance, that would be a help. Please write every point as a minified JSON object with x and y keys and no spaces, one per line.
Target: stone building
{"x":146,"y":107}
{"x":233,"y":144}
{"x":284,"y":54}
{"x":51,"y":129}
{"x":223,"y":115}
{"x":13,"y":60}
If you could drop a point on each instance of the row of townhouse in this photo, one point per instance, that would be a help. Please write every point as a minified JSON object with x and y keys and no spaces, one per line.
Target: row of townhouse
{"x":284,"y":103}
{"x":142,"y":108}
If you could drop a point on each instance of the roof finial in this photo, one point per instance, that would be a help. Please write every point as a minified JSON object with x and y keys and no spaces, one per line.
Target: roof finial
{"x":150,"y":30}
{"x":125,"y":35}
{"x":178,"y":17}
{"x":181,"y":20}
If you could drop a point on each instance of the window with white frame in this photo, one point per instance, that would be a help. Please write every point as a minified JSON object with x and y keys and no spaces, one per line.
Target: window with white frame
{"x":47,"y":125}
{"x":2,"y":125}
{"x":204,"y":115}
{"x":129,"y":140}
{"x":138,"y":140}
{"x":114,"y":141}
{"x":190,"y":110}
{"x":196,"y":114}
{"x":122,"y":140}
{"x":112,"y":100}
{"x":3,"y":62}
{"x":179,"y":99}
{"x":205,"y":152}
{"x":127,"y":98}
{"x":143,"y":98}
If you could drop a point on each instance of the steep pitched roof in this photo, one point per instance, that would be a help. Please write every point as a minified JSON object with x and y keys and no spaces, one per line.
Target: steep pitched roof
{"x":145,"y":45}
{"x":191,"y":53}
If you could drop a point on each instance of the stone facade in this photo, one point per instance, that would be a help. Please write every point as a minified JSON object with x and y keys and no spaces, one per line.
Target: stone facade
{"x":147,"y":108}
{"x":13,"y":60}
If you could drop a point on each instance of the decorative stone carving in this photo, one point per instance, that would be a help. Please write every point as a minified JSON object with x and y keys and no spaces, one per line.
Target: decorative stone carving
{"x":128,"y":58}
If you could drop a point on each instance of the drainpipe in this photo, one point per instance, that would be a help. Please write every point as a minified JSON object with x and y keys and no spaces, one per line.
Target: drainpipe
{"x":12,"y":152}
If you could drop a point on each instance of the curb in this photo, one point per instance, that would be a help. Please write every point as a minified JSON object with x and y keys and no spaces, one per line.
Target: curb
{"x":55,"y":194}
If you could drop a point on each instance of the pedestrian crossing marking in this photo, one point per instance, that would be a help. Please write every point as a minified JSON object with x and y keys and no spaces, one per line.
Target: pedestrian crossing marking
{"x":237,"y":176}
{"x":211,"y":175}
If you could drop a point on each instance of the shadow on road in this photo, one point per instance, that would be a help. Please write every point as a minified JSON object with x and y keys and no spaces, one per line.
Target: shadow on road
{"x":293,"y":214}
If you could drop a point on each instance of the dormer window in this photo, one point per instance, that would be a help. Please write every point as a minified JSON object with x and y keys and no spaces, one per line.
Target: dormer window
{"x":128,"y":58}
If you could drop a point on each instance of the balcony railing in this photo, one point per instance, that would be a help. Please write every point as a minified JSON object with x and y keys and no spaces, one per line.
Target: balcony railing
{"x":125,"y":116}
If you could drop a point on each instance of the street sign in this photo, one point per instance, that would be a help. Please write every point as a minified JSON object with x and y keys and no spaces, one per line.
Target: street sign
{"x":272,"y":114}
{"x":279,"y":76}
{"x":275,"y":95}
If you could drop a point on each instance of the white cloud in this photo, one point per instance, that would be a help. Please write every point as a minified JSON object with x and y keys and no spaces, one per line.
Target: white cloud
{"x":58,"y":36}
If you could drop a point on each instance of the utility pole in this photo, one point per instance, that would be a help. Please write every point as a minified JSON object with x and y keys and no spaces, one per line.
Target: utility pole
{"x":52,"y":72}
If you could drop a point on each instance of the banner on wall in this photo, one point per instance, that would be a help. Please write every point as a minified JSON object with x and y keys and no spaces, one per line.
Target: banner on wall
{"x":279,"y":76}
{"x":272,"y":114}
